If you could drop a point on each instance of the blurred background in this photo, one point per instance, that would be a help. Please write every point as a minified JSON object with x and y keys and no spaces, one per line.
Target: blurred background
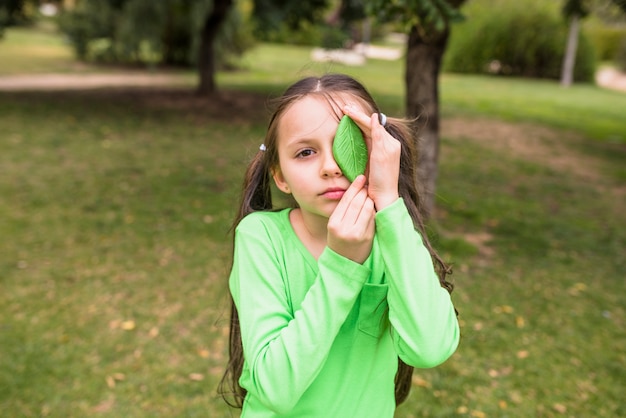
{"x":125,"y":130}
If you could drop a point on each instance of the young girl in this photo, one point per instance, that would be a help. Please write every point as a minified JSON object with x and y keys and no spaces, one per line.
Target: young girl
{"x":337,"y":298}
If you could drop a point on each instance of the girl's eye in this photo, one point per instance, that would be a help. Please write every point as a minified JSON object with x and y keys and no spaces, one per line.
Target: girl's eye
{"x":305,"y":153}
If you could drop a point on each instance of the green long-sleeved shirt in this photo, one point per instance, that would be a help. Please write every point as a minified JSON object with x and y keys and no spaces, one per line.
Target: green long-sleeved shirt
{"x":321,"y":337}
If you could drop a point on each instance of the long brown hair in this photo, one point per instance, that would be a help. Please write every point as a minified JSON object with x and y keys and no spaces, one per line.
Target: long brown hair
{"x":257,"y":196}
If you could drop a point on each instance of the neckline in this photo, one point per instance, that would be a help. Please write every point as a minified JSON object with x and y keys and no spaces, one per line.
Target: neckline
{"x":296,"y":240}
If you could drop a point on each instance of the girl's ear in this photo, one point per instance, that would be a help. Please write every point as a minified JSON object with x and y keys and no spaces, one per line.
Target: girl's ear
{"x":279,"y":179}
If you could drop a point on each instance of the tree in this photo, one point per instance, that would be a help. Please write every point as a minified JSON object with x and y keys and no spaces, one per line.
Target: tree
{"x":206,"y":54}
{"x":429,"y":24}
{"x":13,"y":12}
{"x":574,"y":10}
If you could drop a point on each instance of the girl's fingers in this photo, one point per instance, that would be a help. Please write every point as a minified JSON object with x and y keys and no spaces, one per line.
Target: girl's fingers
{"x":362,"y":119}
{"x":354,"y":188}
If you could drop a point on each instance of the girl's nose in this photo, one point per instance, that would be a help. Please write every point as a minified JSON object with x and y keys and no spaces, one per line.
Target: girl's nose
{"x":329,"y":165}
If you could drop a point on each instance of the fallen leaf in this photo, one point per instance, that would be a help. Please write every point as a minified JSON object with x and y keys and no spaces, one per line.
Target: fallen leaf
{"x":196,"y":377}
{"x":128,"y":325}
{"x":522,"y":354}
{"x":503,"y":309}
{"x":576,"y":289}
{"x":560,"y":408}
{"x":104,"y":406}
{"x":418,"y":381}
{"x":154,"y":331}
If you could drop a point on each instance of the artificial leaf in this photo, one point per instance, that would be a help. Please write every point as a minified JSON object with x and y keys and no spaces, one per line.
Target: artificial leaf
{"x":349,"y":149}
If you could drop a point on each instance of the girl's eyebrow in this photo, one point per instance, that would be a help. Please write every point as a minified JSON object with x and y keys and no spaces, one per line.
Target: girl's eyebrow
{"x":298,"y":141}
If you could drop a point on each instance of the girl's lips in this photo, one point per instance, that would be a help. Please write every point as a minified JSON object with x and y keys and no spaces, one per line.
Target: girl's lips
{"x":334,"y":193}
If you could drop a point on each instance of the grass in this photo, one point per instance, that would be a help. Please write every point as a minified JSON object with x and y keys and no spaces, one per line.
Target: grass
{"x":594,"y":112}
{"x":115,"y":213}
{"x":35,"y":50}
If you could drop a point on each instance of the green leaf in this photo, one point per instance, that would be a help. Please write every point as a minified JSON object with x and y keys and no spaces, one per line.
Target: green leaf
{"x":349,"y":149}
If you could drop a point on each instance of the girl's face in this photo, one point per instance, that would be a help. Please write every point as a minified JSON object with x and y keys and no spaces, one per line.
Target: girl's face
{"x":306,"y":166}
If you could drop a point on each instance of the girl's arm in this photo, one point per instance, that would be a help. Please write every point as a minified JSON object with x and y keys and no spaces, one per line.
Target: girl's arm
{"x":425,"y":327}
{"x":285,"y":350}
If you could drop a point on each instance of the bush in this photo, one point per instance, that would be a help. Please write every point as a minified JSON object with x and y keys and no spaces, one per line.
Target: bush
{"x":606,"y":41}
{"x":516,"y":41}
{"x":620,"y":56}
{"x":149,"y":32}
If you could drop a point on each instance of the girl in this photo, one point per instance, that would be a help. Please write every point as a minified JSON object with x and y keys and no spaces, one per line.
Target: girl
{"x":335,"y":299}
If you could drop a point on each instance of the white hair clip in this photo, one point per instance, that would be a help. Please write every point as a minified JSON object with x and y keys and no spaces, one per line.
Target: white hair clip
{"x":383,"y":119}
{"x":263,"y":147}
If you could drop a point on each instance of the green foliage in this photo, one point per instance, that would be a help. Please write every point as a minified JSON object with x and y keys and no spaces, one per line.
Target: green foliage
{"x":149,"y":32}
{"x":271,"y":15}
{"x":434,"y":14}
{"x":620,"y":55}
{"x":606,"y":40}
{"x":17,"y":12}
{"x":578,"y":8}
{"x":307,"y":34}
{"x":516,"y":40}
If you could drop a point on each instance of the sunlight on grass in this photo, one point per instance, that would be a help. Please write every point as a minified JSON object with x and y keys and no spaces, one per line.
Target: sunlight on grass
{"x":34,"y":51}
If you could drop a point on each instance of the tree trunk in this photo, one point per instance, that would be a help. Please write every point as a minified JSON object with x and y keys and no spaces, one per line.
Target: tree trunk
{"x":423,"y":63}
{"x":425,"y":50}
{"x":569,"y":61}
{"x":206,"y":54}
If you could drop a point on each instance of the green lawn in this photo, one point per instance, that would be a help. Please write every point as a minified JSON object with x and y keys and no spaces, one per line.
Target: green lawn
{"x":115,"y":216}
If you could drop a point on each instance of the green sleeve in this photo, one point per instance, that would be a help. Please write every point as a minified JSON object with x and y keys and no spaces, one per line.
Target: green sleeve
{"x":425,"y":329}
{"x":286,"y":350}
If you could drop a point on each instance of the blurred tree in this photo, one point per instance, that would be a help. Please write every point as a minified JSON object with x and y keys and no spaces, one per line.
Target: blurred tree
{"x":206,"y":54}
{"x":621,"y":4}
{"x":574,"y":10}
{"x":271,"y":14}
{"x":14,"y":12}
{"x":428,"y":23}
{"x":170,"y":32}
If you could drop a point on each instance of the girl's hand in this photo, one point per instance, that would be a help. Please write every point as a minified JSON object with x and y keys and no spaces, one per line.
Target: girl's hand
{"x":384,"y":158}
{"x":351,"y":226}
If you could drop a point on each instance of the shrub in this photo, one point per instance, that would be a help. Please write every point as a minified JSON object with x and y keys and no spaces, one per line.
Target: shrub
{"x":620,"y":55}
{"x":516,"y":41}
{"x":606,"y":40}
{"x":149,"y":32}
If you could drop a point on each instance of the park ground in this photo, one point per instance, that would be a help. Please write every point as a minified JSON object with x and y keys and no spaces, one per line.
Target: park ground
{"x":121,"y":190}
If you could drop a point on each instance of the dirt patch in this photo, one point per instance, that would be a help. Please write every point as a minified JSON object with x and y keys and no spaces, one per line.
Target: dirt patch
{"x":55,"y":82}
{"x":559,"y":150}
{"x":549,"y":147}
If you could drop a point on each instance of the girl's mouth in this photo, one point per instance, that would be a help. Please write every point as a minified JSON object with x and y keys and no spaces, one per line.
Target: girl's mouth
{"x":334,"y":193}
